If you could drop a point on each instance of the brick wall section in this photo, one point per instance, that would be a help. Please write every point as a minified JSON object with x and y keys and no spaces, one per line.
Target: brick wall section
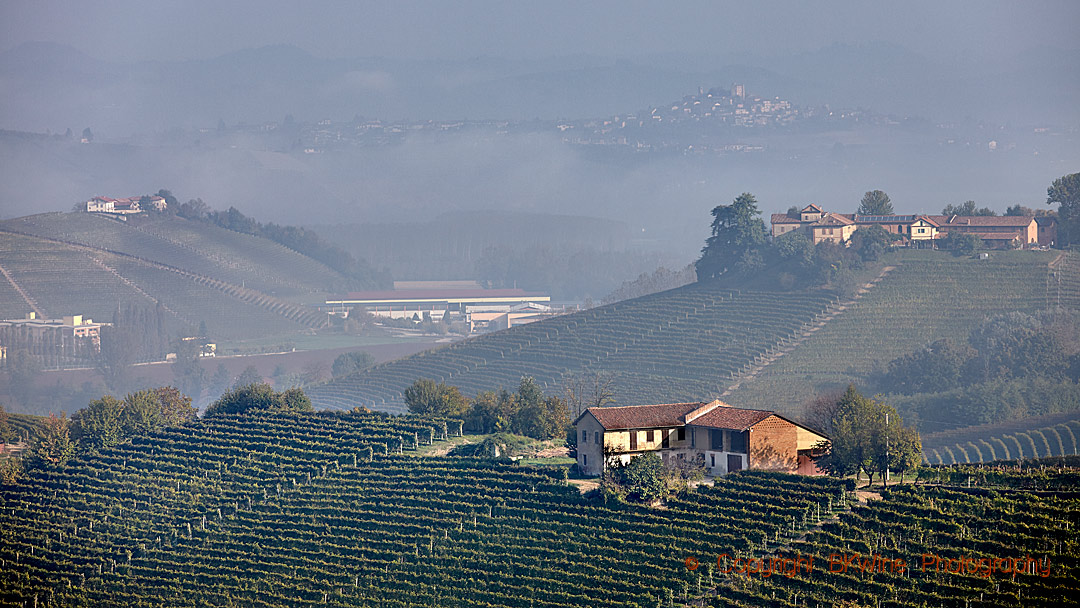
{"x":773,"y":444}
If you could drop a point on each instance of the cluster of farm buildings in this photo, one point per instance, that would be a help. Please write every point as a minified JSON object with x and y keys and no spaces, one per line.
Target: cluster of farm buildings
{"x":125,"y":206}
{"x":996,"y":232}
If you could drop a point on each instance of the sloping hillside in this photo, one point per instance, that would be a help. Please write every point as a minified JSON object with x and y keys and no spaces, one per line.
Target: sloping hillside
{"x":695,"y":342}
{"x":681,"y":345}
{"x":322,"y":510}
{"x":928,"y":296}
{"x":197,"y":247}
{"x":92,"y":266}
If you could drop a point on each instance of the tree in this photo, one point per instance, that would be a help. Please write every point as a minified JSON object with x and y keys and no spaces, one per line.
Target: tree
{"x":98,"y":425}
{"x":23,"y":369}
{"x":967,"y":208}
{"x":115,"y":357}
{"x":962,"y":243}
{"x":643,"y":478}
{"x":490,"y":412}
{"x":794,"y":212}
{"x":580,"y":392}
{"x":863,"y":433}
{"x":905,"y":449}
{"x":429,"y":398}
{"x":87,"y":135}
{"x":259,"y":398}
{"x":188,"y":370}
{"x":538,"y":416}
{"x":1066,"y":192}
{"x":108,"y":421}
{"x":736,"y":230}
{"x":938,"y":367}
{"x":220,"y":381}
{"x":352,"y":362}
{"x":875,"y":202}
{"x":249,"y":376}
{"x":52,"y":447}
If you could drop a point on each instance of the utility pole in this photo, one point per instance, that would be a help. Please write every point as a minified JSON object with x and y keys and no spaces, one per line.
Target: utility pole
{"x":886,"y":448}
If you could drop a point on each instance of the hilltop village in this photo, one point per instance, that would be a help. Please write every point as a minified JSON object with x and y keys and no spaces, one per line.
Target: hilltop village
{"x":920,"y":231}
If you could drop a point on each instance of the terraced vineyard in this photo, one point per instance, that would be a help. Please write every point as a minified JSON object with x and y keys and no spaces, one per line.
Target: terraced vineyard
{"x":957,"y":545}
{"x":199,"y":248}
{"x":681,"y":345}
{"x":309,"y":511}
{"x":928,"y":296}
{"x":55,"y":279}
{"x":1039,"y":437}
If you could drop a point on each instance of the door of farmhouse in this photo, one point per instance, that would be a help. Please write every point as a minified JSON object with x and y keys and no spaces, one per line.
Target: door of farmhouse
{"x":734,"y":463}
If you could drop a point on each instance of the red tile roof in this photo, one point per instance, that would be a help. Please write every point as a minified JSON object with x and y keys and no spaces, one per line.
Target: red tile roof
{"x":812,"y":208}
{"x":783,"y":218}
{"x":732,"y":418}
{"x":981,"y":220}
{"x":642,"y":416}
{"x":833,"y":219}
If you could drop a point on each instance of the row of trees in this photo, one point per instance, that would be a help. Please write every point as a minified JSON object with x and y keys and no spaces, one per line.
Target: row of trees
{"x":300,"y":240}
{"x":107,"y":422}
{"x":528,"y":411}
{"x":1004,"y":346}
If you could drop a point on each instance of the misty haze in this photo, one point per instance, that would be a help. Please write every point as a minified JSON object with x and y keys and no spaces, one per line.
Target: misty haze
{"x":563,"y":304}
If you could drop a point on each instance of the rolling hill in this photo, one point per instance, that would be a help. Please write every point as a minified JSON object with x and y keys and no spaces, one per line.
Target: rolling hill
{"x":76,"y":263}
{"x":776,"y":348}
{"x":310,"y":510}
{"x":335,"y":509}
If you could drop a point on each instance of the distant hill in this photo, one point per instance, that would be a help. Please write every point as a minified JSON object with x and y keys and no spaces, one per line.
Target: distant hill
{"x":79,"y":263}
{"x":695,"y":342}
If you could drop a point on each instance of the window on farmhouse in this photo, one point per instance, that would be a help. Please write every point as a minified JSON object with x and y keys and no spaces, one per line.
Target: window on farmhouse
{"x":585,"y":459}
{"x":712,"y":459}
{"x":716,"y":440}
{"x":682,"y":433}
{"x":739,"y":441}
{"x":596,"y":436}
{"x":584,"y":436}
{"x":665,"y":439}
{"x":633,"y":439}
{"x":649,"y":436}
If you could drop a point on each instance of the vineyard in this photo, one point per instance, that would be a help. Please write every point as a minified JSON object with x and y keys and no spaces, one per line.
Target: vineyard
{"x":1038,"y":437}
{"x":694,"y":342}
{"x":686,"y":344}
{"x":56,"y":279}
{"x":928,"y":296}
{"x":957,"y":546}
{"x":199,"y":248}
{"x":322,"y":510}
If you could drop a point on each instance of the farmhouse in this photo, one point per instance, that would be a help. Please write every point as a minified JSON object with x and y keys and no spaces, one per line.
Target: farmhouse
{"x":919,"y":230}
{"x":722,"y":438}
{"x":125,"y":206}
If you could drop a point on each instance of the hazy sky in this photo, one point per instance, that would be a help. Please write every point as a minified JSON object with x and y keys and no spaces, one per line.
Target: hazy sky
{"x":133,"y":29}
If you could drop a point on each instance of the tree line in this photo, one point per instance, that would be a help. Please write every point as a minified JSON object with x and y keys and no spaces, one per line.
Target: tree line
{"x":301,"y":240}
{"x":527,"y":411}
{"x":1013,"y":365}
{"x":109,"y":421}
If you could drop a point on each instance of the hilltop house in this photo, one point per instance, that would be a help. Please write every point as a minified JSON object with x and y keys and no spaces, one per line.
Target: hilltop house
{"x":722,"y":438}
{"x":124,"y":206}
{"x":919,"y":230}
